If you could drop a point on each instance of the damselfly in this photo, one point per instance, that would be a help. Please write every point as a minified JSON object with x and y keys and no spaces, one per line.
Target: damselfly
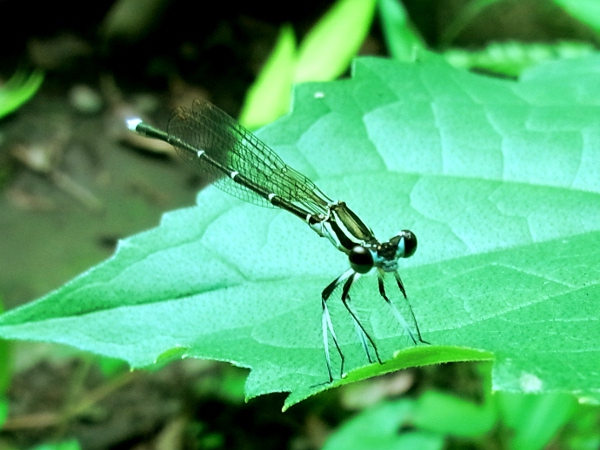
{"x":212,"y":141}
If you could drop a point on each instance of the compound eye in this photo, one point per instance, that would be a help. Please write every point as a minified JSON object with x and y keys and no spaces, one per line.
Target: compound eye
{"x":410,"y":243}
{"x":361,"y":259}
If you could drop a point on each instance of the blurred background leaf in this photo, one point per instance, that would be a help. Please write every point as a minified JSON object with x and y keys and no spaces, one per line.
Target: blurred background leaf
{"x":19,"y":89}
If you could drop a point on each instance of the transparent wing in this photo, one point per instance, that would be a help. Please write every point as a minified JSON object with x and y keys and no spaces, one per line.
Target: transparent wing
{"x":206,"y":127}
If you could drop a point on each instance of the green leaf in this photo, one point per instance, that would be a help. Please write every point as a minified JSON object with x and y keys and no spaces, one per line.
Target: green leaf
{"x":401,"y":37}
{"x":3,"y":410}
{"x":326,"y":51}
{"x":63,"y":445}
{"x":498,"y":179}
{"x":535,"y":419}
{"x":582,"y":430}
{"x":18,"y":90}
{"x":377,"y":428}
{"x":587,"y":11}
{"x":269,"y":96}
{"x":450,"y":415}
{"x":512,"y":58}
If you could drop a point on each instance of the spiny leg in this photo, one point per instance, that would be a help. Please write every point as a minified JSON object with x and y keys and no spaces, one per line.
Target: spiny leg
{"x":328,"y":325}
{"x":360,"y":329}
{"x":412,"y":313}
{"x":393,"y":307}
{"x":395,"y":312}
{"x":364,"y":341}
